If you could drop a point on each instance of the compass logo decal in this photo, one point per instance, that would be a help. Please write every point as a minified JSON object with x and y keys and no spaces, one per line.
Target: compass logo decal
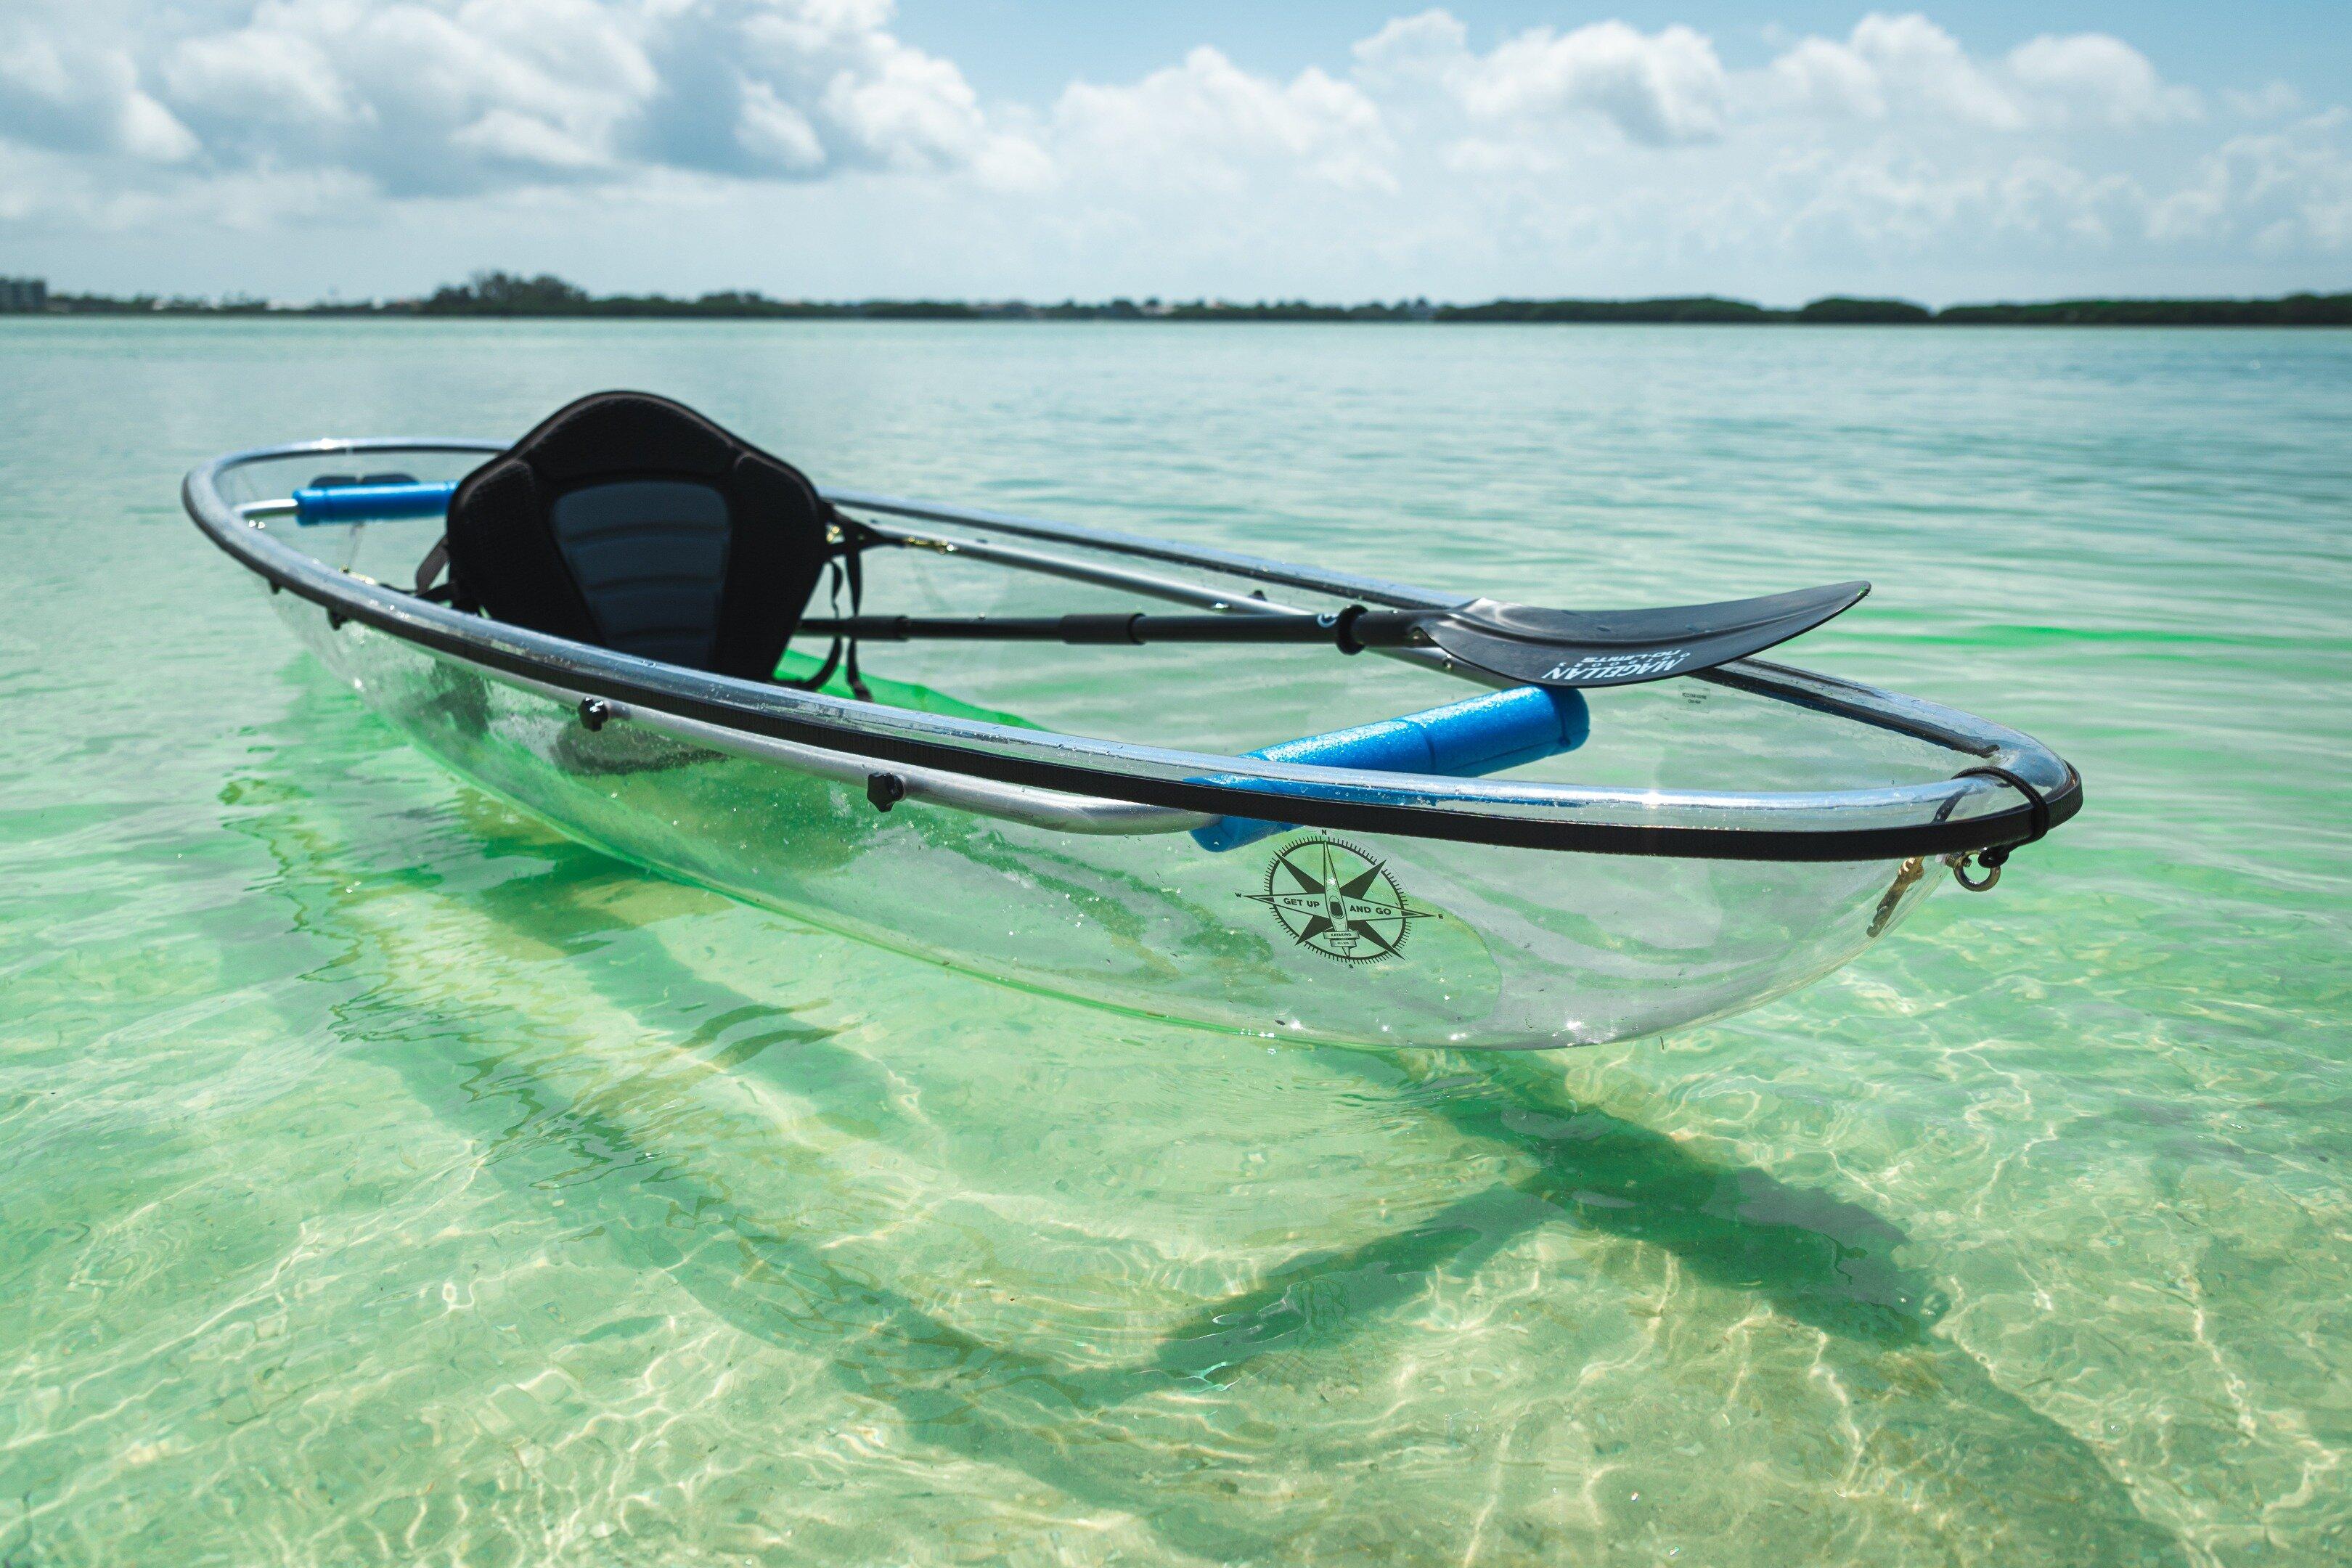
{"x":1332,"y":896}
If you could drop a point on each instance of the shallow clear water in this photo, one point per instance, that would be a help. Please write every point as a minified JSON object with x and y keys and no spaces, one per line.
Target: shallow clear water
{"x":388,"y":1180}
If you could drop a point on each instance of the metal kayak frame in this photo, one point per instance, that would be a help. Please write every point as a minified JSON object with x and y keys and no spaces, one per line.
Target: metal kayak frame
{"x":1089,"y":785}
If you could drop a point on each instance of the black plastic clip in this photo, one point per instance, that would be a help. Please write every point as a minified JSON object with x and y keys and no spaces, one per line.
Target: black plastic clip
{"x":1344,"y":624}
{"x":1991,"y":860}
{"x":334,"y":621}
{"x":885,"y":790}
{"x":595,"y":712}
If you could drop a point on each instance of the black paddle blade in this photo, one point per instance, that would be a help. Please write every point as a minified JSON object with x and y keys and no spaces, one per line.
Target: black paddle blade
{"x":1620,"y":648}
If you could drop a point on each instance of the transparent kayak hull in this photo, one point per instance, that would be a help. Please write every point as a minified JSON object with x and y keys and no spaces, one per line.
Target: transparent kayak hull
{"x":1397,"y":926}
{"x":1492,"y":947}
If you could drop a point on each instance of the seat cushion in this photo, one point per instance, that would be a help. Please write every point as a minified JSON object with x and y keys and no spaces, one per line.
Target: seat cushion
{"x":630,"y":521}
{"x":650,"y":558}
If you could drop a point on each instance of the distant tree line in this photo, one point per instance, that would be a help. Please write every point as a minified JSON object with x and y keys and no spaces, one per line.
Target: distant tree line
{"x":1702,"y":308}
{"x":2294,"y":310}
{"x":507,"y":294}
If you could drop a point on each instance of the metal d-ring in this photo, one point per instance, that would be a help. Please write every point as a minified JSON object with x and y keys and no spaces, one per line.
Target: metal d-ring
{"x":1992,"y":869}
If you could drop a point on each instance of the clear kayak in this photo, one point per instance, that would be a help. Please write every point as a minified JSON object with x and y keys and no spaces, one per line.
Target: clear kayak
{"x":1255,"y":835}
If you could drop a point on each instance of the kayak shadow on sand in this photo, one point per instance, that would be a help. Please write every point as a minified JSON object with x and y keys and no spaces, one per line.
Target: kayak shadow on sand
{"x":1088,"y":1430}
{"x":1816,"y":1258}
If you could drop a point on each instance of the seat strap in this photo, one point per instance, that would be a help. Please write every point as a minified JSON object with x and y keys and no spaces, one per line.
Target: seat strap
{"x":841,"y":656}
{"x":832,"y":655}
{"x":853,"y":551}
{"x":432,"y":591}
{"x":436,"y":562}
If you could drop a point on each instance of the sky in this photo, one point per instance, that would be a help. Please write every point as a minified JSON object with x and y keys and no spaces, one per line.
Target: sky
{"x":1047,"y":149}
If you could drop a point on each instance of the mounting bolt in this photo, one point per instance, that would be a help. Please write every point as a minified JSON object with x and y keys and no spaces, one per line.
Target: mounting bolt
{"x":593,"y":711}
{"x":885,"y":790}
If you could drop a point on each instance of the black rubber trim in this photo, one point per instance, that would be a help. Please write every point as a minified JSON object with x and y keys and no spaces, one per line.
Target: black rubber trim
{"x":1994,"y":859}
{"x":2018,"y":825}
{"x":2036,"y":803}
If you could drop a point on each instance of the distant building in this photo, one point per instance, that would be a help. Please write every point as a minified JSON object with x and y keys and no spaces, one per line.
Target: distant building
{"x":20,"y":294}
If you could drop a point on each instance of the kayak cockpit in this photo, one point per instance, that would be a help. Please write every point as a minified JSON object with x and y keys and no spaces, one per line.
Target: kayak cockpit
{"x":1257,"y":833}
{"x":1776,"y":747}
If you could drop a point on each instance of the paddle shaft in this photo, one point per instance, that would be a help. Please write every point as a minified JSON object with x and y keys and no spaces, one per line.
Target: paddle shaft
{"x":1521,"y":644}
{"x":1349,"y":631}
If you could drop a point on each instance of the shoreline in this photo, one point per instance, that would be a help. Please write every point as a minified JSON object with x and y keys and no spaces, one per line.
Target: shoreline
{"x":499,"y":296}
{"x":993,"y":318}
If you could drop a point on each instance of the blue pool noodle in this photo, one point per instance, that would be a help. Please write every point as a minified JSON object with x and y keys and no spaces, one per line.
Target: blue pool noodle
{"x":370,"y":503}
{"x":1468,"y":739}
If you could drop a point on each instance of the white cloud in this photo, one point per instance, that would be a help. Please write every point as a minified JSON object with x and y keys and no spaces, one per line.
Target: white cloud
{"x":505,"y":136}
{"x":2272,"y":101}
{"x":1834,"y":78}
{"x":2285,"y":189}
{"x":2101,"y":77}
{"x":146,"y":130}
{"x":263,"y":75}
{"x":1907,"y":66}
{"x":69,"y":96}
{"x":1659,"y":88}
{"x":1894,"y":66}
{"x":434,"y":96}
{"x":1426,"y":47}
{"x":910,"y":112}
{"x":1603,"y":157}
{"x":773,"y":133}
{"x":1206,"y":122}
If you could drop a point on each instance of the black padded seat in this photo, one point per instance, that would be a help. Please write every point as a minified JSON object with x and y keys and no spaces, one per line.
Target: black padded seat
{"x":631,"y":521}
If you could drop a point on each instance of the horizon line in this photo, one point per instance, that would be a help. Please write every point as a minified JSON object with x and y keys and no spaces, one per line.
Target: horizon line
{"x":495,"y":294}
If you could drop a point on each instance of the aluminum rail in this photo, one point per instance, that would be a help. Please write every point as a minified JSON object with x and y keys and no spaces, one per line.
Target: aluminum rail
{"x":1947,"y":727}
{"x":1930,"y":818}
{"x":1341,"y":584}
{"x":984,"y":797}
{"x":1819,"y":693}
{"x":1151,"y":585}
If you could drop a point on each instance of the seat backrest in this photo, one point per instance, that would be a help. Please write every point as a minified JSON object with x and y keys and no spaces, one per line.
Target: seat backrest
{"x":631,"y":521}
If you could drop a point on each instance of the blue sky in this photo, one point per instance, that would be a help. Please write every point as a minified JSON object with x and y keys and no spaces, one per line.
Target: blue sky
{"x":1046,"y":148}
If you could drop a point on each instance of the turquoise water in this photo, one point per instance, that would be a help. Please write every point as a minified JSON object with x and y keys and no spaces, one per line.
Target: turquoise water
{"x":389,"y":1180}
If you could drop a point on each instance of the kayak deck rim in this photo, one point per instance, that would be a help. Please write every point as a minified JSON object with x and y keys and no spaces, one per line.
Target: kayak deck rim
{"x":1144,"y":789}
